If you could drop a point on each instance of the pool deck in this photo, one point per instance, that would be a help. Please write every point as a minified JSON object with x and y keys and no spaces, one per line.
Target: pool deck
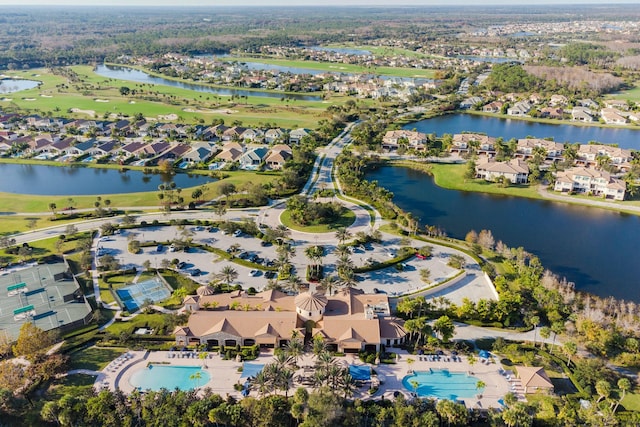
{"x":224,"y":374}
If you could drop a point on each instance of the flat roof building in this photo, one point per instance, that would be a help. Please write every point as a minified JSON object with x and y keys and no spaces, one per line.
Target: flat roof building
{"x":46,"y":295}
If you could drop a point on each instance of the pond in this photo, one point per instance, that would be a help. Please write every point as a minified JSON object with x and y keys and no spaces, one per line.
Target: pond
{"x":594,"y":248}
{"x":77,"y":181}
{"x":16,"y":85}
{"x":512,"y":128}
{"x":125,"y":73}
{"x":343,"y":50}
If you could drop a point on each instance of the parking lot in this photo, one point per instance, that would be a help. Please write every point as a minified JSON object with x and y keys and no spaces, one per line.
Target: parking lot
{"x":388,"y":280}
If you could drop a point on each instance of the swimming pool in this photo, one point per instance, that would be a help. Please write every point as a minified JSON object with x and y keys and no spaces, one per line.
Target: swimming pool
{"x":442,"y":384}
{"x":156,"y":377}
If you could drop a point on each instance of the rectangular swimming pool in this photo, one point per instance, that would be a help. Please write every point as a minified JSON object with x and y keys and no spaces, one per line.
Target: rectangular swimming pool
{"x":441,"y":384}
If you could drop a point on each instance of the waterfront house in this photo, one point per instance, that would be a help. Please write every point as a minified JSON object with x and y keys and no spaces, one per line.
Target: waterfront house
{"x":590,"y":181}
{"x":581,"y":114}
{"x":527,"y":146}
{"x":515,"y":170}
{"x":394,"y":138}
{"x":588,"y":155}
{"x":105,"y":148}
{"x":493,"y":107}
{"x":519,"y":109}
{"x":198,"y":155}
{"x":612,"y":116}
{"x":463,"y":142}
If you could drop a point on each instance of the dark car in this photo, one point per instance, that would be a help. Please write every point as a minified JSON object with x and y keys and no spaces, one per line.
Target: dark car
{"x":195,"y":272}
{"x":270,"y":274}
{"x":264,"y":243}
{"x":243,"y":255}
{"x":253,"y":258}
{"x":181,"y":265}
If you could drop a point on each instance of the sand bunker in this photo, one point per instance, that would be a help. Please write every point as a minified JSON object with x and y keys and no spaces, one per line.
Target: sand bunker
{"x":6,"y":99}
{"x":101,"y":100}
{"x":132,"y":102}
{"x":46,"y":96}
{"x":89,"y":112}
{"x":168,"y":117}
{"x":29,"y":99}
{"x":209,"y":111}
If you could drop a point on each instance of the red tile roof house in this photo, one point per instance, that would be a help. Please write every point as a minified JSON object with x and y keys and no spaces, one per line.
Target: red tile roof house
{"x":278,"y":156}
{"x":393,"y":138}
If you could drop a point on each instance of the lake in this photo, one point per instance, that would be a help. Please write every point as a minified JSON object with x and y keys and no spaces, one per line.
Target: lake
{"x":16,"y":85}
{"x":68,"y":181}
{"x":594,"y":248}
{"x":125,"y":73}
{"x":343,"y":50}
{"x":512,"y":128}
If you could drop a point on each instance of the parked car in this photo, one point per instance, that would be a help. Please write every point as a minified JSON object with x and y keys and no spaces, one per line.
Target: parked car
{"x":270,"y":274}
{"x":195,"y":272}
{"x":237,"y":233}
{"x":265,"y":243}
{"x":254,"y":273}
{"x":159,"y":248}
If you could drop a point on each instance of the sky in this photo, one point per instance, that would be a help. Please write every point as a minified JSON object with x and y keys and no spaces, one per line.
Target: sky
{"x":301,"y":2}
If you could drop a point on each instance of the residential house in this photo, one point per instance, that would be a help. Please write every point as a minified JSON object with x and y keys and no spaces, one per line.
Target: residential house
{"x":552,"y":113}
{"x":85,"y":147}
{"x":252,"y":135}
{"x":105,"y":148}
{"x":251,"y":159}
{"x":278,"y":156}
{"x":590,"y":181}
{"x":231,"y":152}
{"x":463,"y":142}
{"x":558,"y":101}
{"x":470,"y":102}
{"x":515,"y":170}
{"x":617,"y":104}
{"x":348,"y":322}
{"x":588,"y":155}
{"x":493,"y":107}
{"x":612,"y":116}
{"x":133,"y":148}
{"x":519,"y":109}
{"x":8,"y":135}
{"x":61,"y":147}
{"x":394,"y":138}
{"x":534,"y":379}
{"x":526,"y":148}
{"x":581,"y":114}
{"x":233,"y":134}
{"x":176,"y":151}
{"x":274,"y":135}
{"x":296,"y":135}
{"x":198,"y":155}
{"x":5,"y":145}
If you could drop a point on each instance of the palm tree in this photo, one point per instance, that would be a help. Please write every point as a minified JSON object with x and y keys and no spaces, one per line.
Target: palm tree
{"x":342,"y":250}
{"x":342,"y":234}
{"x":196,"y":376}
{"x":624,"y":385}
{"x":295,"y":349}
{"x":603,"y":388}
{"x":347,"y":384}
{"x":228,"y":274}
{"x":329,"y":283}
{"x":261,"y":383}
{"x":480,"y":385}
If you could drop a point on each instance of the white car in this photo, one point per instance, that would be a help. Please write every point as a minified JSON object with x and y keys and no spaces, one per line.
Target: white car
{"x":237,"y":233}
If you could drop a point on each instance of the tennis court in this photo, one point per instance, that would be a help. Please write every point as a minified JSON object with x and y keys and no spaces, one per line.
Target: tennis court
{"x":134,"y":296}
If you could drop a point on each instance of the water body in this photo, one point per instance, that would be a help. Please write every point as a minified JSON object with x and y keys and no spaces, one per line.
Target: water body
{"x":491,"y":59}
{"x":594,"y":248}
{"x":67,"y":181}
{"x":512,"y":128}
{"x":125,"y":73}
{"x":16,"y":85}
{"x":344,"y":50}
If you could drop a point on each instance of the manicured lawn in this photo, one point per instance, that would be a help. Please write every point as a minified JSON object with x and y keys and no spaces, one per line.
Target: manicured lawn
{"x":187,"y":105}
{"x":631,"y":402}
{"x":345,"y":221}
{"x":94,"y":358}
{"x":154,"y":321}
{"x":631,"y":94}
{"x":341,"y":68}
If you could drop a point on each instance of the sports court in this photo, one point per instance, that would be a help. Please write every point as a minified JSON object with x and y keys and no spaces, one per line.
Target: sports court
{"x":133,"y":296}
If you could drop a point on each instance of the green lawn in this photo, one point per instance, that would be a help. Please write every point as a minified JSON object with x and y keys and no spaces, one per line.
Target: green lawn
{"x":345,"y":221}
{"x":103,"y":97}
{"x":631,"y":94}
{"x":452,"y":177}
{"x":341,"y":68}
{"x":631,"y":402}
{"x":154,"y":321}
{"x":94,"y":358}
